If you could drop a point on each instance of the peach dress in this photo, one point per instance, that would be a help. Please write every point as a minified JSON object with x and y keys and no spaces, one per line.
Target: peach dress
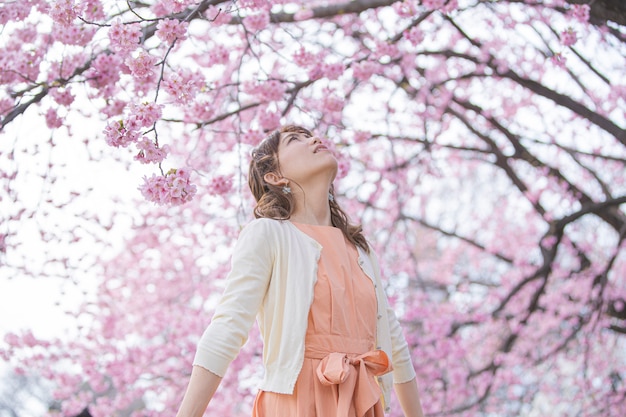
{"x":340,"y":361}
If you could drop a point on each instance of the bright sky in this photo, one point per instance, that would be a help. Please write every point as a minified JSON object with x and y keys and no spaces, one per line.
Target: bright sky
{"x":38,"y":303}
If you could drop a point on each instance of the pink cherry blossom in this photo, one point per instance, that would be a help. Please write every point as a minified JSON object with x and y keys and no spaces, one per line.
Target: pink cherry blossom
{"x":559,"y":60}
{"x":104,"y":71}
{"x":414,"y":35}
{"x":343,"y":167}
{"x":62,"y":96}
{"x":364,"y":70}
{"x":53,"y":121}
{"x":146,"y":114}
{"x":258,"y":4}
{"x":27,"y":34}
{"x":269,"y":120}
{"x":568,"y":37}
{"x":117,"y":134}
{"x":270,"y":90}
{"x":221,"y":184}
{"x":170,"y":30}
{"x":114,"y":108}
{"x":450,"y":6}
{"x":217,"y":15}
{"x":433,"y":4}
{"x":143,"y":65}
{"x":63,"y":12}
{"x":67,"y":67}
{"x":124,"y":37}
{"x":182,"y":86}
{"x":73,"y":34}
{"x":174,"y":6}
{"x":405,"y":8}
{"x":304,"y":58}
{"x":17,"y":10}
{"x":172,"y":188}
{"x":333,"y":103}
{"x":332,"y":71}
{"x":93,"y":10}
{"x":361,"y":136}
{"x":580,"y":12}
{"x":200,"y":110}
{"x":219,"y":55}
{"x":257,"y":21}
{"x":149,"y":152}
{"x":252,"y":137}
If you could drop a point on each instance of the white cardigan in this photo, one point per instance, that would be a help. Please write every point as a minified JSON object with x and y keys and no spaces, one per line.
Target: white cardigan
{"x":273,"y":274}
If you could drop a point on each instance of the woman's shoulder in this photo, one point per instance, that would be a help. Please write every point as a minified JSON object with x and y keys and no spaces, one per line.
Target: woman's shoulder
{"x":265,"y":223}
{"x":266,"y":226}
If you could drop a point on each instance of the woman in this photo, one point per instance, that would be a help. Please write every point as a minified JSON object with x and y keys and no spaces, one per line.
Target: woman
{"x":309,"y":277}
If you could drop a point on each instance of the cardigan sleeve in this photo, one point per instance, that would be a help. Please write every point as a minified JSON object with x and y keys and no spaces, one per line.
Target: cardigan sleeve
{"x":403,"y":369}
{"x":246,"y":285}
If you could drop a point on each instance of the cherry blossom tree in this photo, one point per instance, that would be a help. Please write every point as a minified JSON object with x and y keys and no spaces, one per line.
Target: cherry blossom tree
{"x":481,"y":143}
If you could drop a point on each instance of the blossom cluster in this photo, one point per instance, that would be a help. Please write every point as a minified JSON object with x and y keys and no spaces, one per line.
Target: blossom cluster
{"x":218,"y":55}
{"x":104,"y":73}
{"x":332,"y":70}
{"x":73,"y":34}
{"x":53,"y":121}
{"x":16,"y":11}
{"x":568,"y":37}
{"x":433,"y":4}
{"x":181,"y":86}
{"x":405,"y":8}
{"x":221,"y":184}
{"x":580,"y":12}
{"x":256,"y":22}
{"x":558,"y":59}
{"x":62,"y":96}
{"x":217,"y":15}
{"x":118,"y":134}
{"x":173,"y":188}
{"x":124,"y":37}
{"x":63,"y":12}
{"x":166,"y":7}
{"x":304,"y":58}
{"x":170,"y":30}
{"x":149,"y":151}
{"x":121,"y":133}
{"x":415,"y":35}
{"x":145,"y":114}
{"x":143,"y":65}
{"x":271,"y":90}
{"x":15,"y":64}
{"x":364,"y":70}
{"x":269,"y":120}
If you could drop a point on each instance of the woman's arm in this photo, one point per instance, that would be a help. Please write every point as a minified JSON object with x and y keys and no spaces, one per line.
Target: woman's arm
{"x":409,"y":398}
{"x":246,"y":285}
{"x":202,"y":386}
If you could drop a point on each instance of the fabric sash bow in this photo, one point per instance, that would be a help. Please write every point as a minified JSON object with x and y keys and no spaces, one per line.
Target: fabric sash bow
{"x":355,"y":377}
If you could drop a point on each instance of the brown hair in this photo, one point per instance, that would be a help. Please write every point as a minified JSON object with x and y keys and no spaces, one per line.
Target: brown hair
{"x":273,"y":203}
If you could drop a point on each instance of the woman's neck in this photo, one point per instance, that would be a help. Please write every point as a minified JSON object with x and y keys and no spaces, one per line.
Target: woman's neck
{"x":312,"y":206}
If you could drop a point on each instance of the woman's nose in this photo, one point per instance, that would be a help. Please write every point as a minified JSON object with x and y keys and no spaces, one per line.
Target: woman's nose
{"x":315,"y":139}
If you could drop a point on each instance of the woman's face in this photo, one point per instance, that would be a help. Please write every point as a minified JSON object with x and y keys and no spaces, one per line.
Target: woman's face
{"x":304,"y":158}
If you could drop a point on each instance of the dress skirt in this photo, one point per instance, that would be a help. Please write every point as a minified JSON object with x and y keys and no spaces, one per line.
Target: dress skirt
{"x":341,"y":362}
